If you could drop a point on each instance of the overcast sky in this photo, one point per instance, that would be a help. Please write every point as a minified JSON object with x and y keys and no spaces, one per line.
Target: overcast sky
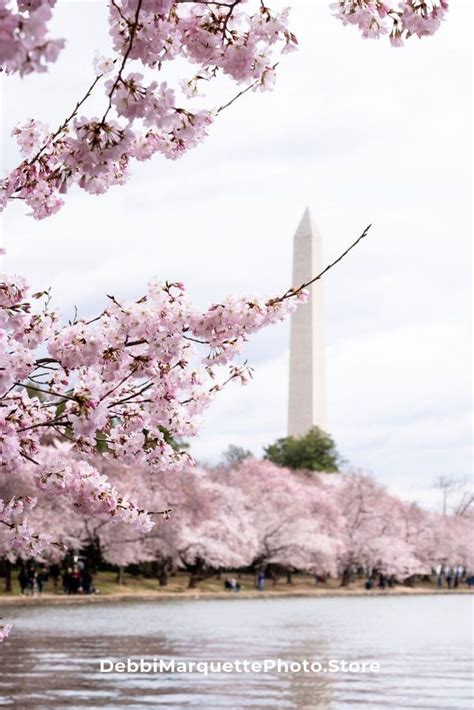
{"x":361,"y":133}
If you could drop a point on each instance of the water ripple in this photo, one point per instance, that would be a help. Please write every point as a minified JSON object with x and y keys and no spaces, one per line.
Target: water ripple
{"x":423,"y":645}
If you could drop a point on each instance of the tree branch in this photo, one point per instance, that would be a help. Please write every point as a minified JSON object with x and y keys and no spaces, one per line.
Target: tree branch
{"x":292,"y":292}
{"x":117,"y":81}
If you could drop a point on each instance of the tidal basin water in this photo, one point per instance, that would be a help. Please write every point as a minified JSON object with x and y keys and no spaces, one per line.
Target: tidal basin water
{"x":423,"y":645}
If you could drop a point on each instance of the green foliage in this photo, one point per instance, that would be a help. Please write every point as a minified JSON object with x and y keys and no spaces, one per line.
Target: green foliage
{"x":236,"y":454}
{"x":315,"y":451}
{"x":177,"y":444}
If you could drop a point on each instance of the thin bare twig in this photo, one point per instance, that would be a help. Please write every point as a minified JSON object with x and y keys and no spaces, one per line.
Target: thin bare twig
{"x":50,"y":392}
{"x":160,"y":512}
{"x":292,"y":292}
{"x":237,"y":96}
{"x":66,"y":120}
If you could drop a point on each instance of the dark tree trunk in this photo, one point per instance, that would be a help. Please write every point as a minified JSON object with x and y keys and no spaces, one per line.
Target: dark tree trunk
{"x":198,"y":573}
{"x":8,"y":576}
{"x":120,"y":576}
{"x":93,"y":555}
{"x":193,"y":581}
{"x":289,"y":578}
{"x":346,"y":577}
{"x":159,"y":571}
{"x":163,"y":575}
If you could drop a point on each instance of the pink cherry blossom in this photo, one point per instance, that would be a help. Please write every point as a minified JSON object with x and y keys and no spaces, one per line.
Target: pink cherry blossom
{"x":24,"y":43}
{"x":5,"y":631}
{"x":376,"y":18}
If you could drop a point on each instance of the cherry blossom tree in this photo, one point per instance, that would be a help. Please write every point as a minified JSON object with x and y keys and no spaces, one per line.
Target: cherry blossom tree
{"x":273,"y":502}
{"x":358,"y":497}
{"x":451,"y":541}
{"x":375,"y":534}
{"x":292,"y":517}
{"x":226,"y":540}
{"x":396,"y":537}
{"x":141,"y":117}
{"x":462,"y":535}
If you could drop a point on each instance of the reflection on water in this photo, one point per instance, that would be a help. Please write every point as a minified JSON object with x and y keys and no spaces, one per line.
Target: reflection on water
{"x":423,"y":644}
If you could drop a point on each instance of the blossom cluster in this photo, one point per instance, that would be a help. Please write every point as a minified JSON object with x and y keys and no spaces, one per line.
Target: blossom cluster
{"x":5,"y":631}
{"x":375,"y":18}
{"x":129,"y":383}
{"x":143,"y":117}
{"x":15,"y":506}
{"x":24,"y":43}
{"x":23,"y":538}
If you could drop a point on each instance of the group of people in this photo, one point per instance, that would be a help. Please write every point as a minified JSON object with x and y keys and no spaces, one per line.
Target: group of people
{"x":32,"y":580}
{"x":232,"y":585}
{"x":453,"y":576}
{"x":380,"y":580}
{"x":76,"y":579}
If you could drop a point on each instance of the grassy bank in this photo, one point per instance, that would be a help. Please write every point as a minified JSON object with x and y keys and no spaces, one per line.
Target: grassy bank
{"x":140,"y":588}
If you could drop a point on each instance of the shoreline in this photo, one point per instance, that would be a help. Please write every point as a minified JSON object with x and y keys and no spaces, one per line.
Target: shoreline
{"x":193,"y":595}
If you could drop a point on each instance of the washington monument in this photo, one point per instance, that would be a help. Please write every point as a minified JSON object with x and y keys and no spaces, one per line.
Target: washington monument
{"x":307,"y":395}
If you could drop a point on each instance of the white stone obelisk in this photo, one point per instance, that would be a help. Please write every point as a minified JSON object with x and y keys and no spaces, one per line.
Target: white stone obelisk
{"x":307,"y":392}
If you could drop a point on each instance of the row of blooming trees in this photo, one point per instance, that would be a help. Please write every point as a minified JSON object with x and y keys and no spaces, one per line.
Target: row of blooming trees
{"x":131,"y":379}
{"x":256,"y":514}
